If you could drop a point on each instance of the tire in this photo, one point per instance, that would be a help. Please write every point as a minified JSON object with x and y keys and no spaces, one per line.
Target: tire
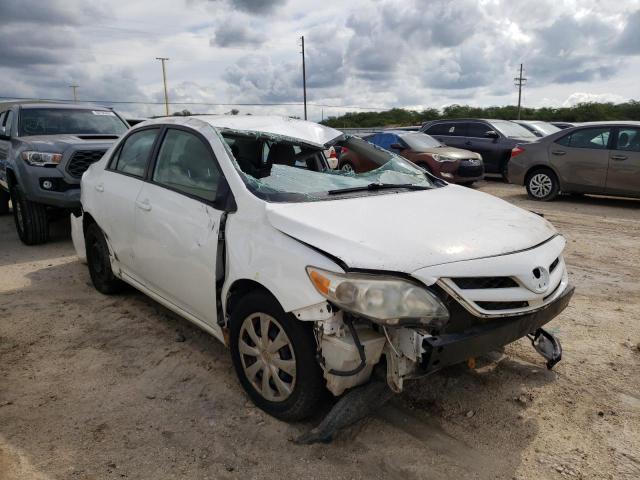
{"x":299,"y":386}
{"x":99,"y":262}
{"x":4,"y":202}
{"x":347,"y":167}
{"x":30,"y":218}
{"x":542,"y":185}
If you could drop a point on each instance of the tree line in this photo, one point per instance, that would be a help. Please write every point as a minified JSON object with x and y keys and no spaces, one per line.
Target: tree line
{"x":397,"y":117}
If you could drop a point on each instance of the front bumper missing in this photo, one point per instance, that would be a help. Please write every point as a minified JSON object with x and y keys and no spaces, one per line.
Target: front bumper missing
{"x":452,"y":348}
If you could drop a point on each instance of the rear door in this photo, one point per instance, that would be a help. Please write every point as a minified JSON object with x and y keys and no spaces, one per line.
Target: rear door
{"x":623,"y":176}
{"x":582,"y":159}
{"x":177,"y":224}
{"x":117,"y":191}
{"x":490,"y":149}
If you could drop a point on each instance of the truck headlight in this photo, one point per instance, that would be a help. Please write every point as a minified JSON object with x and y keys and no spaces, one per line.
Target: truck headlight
{"x":383,"y":299}
{"x":41,"y":159}
{"x":442,"y":158}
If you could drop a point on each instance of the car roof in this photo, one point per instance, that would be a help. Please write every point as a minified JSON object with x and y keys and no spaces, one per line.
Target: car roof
{"x":273,"y":125}
{"x":68,"y":106}
{"x":633,"y":123}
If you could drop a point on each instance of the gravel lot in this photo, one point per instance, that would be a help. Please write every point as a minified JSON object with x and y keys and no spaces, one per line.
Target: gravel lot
{"x":95,"y":387}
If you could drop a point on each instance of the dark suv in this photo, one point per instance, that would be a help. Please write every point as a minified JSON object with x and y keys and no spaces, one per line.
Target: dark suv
{"x":493,"y":139}
{"x":44,"y":150}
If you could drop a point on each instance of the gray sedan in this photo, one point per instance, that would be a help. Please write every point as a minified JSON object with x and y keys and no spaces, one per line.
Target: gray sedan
{"x":598,"y":157}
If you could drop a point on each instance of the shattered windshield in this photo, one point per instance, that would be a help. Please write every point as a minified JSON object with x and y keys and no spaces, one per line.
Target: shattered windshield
{"x":286,"y":170}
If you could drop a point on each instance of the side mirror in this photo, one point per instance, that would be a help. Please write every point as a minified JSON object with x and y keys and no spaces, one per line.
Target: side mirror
{"x":491,"y":134}
{"x":396,"y":146}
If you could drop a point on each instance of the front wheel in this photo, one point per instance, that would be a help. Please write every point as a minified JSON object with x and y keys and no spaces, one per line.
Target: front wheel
{"x":30,"y":218}
{"x":99,"y":262}
{"x":274,"y":358}
{"x":4,"y":202}
{"x":542,"y":185}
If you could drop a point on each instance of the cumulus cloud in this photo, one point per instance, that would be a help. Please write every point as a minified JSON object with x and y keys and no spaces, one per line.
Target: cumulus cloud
{"x":237,"y":31}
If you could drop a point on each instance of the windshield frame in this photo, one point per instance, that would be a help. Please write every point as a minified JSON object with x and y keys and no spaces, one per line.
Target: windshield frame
{"x":110,"y":113}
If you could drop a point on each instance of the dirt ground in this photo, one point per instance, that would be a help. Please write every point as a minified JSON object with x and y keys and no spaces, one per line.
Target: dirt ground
{"x":97,"y":387}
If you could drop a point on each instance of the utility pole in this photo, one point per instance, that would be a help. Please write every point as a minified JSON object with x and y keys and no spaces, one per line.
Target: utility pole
{"x":73,"y":87}
{"x":520,"y":81}
{"x":164,"y":79}
{"x":304,"y":79}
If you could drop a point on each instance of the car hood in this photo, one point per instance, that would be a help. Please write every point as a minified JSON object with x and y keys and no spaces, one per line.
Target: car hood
{"x":407,"y":231}
{"x":59,"y":143}
{"x":452,"y":152}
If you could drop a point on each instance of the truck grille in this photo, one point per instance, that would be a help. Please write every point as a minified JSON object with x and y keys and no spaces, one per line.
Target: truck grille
{"x":81,"y":160}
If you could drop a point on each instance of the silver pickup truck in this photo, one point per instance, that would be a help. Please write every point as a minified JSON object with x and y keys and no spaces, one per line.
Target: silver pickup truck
{"x":44,"y":150}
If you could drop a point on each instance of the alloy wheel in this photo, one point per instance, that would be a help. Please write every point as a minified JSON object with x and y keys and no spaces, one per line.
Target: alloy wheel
{"x":267,"y":356}
{"x":347,"y":168}
{"x":540,"y":185}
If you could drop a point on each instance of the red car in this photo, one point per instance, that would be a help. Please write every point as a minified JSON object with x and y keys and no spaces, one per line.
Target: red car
{"x":451,"y":164}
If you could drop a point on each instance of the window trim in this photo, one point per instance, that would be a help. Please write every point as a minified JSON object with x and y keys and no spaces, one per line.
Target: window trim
{"x":115,"y":156}
{"x":224,"y":200}
{"x":608,"y":146}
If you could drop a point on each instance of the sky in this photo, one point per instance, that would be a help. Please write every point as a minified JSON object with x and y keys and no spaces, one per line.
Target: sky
{"x":367,"y":54}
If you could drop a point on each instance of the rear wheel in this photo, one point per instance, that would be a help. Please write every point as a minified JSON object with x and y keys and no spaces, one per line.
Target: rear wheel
{"x":30,"y":218}
{"x":274,"y":358}
{"x":99,"y":262}
{"x":4,"y":202}
{"x":542,"y":185}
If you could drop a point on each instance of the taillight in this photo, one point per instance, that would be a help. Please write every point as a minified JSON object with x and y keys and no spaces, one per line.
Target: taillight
{"x":332,"y":153}
{"x":515,"y":151}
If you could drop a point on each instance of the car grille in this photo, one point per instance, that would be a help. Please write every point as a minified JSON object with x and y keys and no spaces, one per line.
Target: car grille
{"x":469,"y":169}
{"x":466,"y":283}
{"x":505,"y":295}
{"x":81,"y":160}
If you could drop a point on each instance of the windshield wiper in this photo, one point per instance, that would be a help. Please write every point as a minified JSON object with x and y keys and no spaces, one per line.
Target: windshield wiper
{"x":379,"y":186}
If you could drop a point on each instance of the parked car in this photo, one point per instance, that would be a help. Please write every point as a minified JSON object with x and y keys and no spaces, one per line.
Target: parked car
{"x":44,"y":150}
{"x":313,"y":276}
{"x":599,"y":157}
{"x":451,"y":164}
{"x":538,"y":127}
{"x":493,"y":139}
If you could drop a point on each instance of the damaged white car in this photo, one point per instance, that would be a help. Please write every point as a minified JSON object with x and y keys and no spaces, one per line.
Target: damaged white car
{"x":314,"y":276}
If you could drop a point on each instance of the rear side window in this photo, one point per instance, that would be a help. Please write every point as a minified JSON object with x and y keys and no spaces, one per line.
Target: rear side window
{"x":629,"y":139}
{"x":186,"y":165}
{"x":135,"y":152}
{"x":594,"y":138}
{"x":451,"y":129}
{"x":478,"y":130}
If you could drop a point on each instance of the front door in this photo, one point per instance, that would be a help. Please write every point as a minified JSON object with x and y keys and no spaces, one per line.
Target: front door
{"x":177,"y":225}
{"x":582,"y":159}
{"x":623,"y":177}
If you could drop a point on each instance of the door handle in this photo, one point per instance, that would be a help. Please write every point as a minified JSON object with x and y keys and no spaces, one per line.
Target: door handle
{"x":618,"y":157}
{"x":144,"y":205}
{"x":100,"y":187}
{"x":558,"y":152}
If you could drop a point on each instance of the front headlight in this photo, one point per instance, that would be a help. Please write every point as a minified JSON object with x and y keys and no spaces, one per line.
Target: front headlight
{"x":41,"y":159}
{"x":383,"y":299}
{"x":442,"y":158}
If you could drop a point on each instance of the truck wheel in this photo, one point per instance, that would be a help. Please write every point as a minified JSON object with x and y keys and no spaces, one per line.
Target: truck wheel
{"x":274,"y":356}
{"x":30,"y":218}
{"x":542,"y":184}
{"x":4,"y":202}
{"x":99,"y":262}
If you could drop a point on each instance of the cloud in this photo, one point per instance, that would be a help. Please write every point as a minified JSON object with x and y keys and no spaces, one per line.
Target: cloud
{"x":583,"y":97}
{"x":234,"y":32}
{"x":254,"y":7}
{"x":53,"y":12}
{"x":628,"y":41}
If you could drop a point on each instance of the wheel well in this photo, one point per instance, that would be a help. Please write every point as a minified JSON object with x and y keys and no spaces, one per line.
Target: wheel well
{"x":87,"y":220}
{"x":11,"y":178}
{"x":239,"y":289}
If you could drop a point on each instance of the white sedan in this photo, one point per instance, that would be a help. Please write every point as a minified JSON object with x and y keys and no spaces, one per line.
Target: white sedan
{"x":312,"y":276}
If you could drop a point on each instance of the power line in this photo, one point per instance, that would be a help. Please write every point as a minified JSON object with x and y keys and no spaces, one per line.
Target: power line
{"x":209,"y":104}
